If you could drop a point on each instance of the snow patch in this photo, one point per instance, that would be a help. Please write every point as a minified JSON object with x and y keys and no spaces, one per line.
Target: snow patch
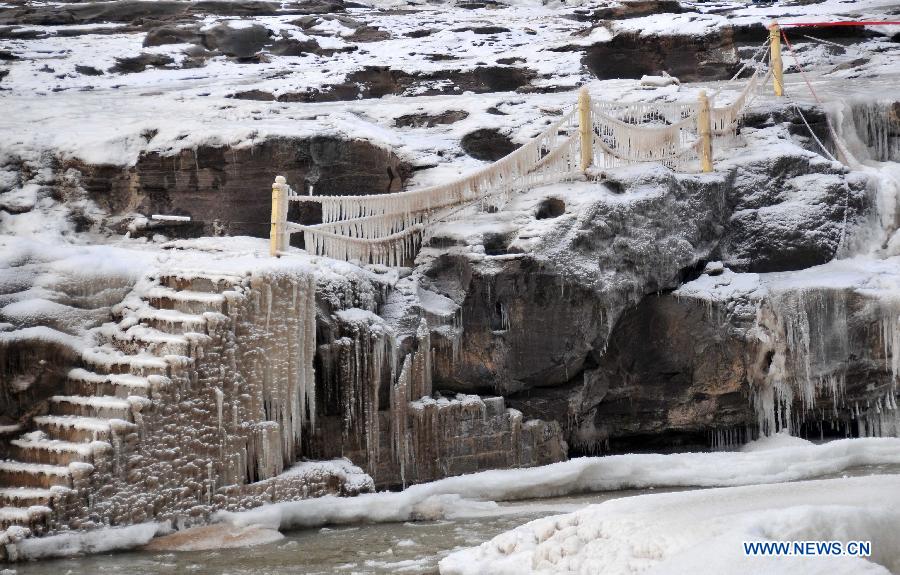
{"x":780,"y":440}
{"x":90,"y":542}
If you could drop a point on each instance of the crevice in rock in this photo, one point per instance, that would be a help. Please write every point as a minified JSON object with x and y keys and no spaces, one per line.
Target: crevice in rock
{"x":550,"y":208}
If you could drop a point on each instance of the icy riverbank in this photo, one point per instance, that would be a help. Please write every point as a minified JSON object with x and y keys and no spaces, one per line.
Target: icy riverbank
{"x":780,"y":459}
{"x":703,"y":532}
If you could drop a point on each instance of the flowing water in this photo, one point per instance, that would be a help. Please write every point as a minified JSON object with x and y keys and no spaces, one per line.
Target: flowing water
{"x":413,"y":548}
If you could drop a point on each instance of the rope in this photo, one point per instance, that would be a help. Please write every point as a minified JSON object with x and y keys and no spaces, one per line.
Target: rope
{"x":813,"y":134}
{"x":820,"y":41}
{"x":725,"y":119}
{"x":834,"y":136}
{"x":799,"y":67}
{"x":760,"y":50}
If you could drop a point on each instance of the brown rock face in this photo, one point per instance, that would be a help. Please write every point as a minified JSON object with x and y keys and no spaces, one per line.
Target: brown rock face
{"x":637,"y":9}
{"x":140,"y":63}
{"x":524,"y":326}
{"x":681,"y":373}
{"x":236,"y":42}
{"x":30,"y":372}
{"x":429,"y":120}
{"x":172,"y":35}
{"x":539,"y":318}
{"x":378,"y":81}
{"x":669,"y":374}
{"x":234,"y":186}
{"x":689,"y":58}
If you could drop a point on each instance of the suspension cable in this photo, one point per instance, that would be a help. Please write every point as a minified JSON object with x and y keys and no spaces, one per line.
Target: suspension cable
{"x":800,"y":67}
{"x":828,"y":42}
{"x":811,"y":133}
{"x":760,"y":50}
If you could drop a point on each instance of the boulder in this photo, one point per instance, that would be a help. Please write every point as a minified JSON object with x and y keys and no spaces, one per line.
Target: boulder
{"x":244,"y":42}
{"x":172,"y":35}
{"x":487,"y":144}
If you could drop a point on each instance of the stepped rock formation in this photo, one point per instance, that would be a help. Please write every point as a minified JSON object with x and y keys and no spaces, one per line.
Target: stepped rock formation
{"x":210,"y":385}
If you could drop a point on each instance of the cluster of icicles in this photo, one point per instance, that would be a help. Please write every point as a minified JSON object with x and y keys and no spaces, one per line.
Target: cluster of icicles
{"x":287,"y":402}
{"x":387,"y":229}
{"x":809,"y":364}
{"x":355,"y":367}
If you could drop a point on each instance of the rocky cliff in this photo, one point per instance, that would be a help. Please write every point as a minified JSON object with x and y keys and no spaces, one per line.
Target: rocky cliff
{"x":564,"y":302}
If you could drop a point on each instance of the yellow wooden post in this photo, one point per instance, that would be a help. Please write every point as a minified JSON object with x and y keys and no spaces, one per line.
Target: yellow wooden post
{"x":775,"y":58}
{"x":279,"y":215}
{"x":585,"y":129}
{"x":704,"y":128}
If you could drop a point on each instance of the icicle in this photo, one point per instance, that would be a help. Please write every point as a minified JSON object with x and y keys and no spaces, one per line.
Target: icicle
{"x":220,"y":398}
{"x":268,"y":296}
{"x":399,"y":418}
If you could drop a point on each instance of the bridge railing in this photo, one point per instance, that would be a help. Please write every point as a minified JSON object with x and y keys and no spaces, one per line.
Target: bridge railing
{"x":387,"y":228}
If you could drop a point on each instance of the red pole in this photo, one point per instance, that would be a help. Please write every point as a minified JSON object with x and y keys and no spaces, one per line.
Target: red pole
{"x":842,"y":23}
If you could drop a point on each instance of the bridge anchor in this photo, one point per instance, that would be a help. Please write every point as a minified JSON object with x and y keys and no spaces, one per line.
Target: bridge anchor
{"x":775,"y":58}
{"x":585,"y":129}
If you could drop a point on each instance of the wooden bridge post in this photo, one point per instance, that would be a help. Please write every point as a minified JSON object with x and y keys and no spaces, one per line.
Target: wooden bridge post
{"x":279,"y":216}
{"x":775,"y":58}
{"x":704,"y":128}
{"x":585,"y":129}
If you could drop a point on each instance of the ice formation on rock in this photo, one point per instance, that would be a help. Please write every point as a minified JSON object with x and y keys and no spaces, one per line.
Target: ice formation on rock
{"x":811,"y":349}
{"x":201,"y":392}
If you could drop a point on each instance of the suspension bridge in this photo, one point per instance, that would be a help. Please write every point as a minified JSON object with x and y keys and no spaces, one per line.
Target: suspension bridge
{"x":388,"y":229}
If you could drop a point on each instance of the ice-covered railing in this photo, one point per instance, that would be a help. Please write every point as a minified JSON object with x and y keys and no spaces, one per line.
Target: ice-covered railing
{"x":669,"y":133}
{"x":387,"y":229}
{"x":517,"y":167}
{"x":725,"y":119}
{"x":624,"y":137}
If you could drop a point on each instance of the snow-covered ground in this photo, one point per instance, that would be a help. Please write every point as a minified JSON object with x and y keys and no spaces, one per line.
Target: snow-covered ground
{"x":110,"y":117}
